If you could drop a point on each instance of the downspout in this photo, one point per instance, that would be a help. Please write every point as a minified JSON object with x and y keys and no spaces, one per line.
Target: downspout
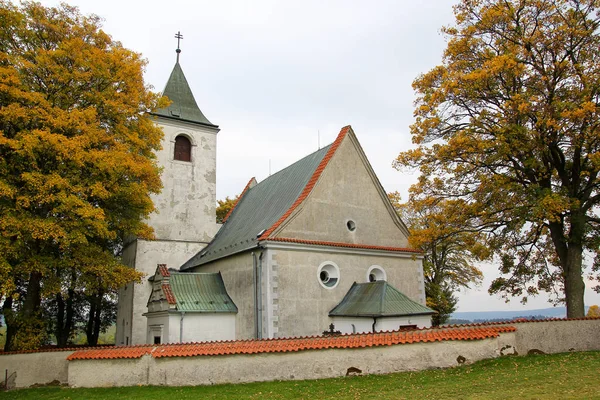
{"x":374,"y":323}
{"x":259,"y":287}
{"x":255,"y":283}
{"x":181,"y":327}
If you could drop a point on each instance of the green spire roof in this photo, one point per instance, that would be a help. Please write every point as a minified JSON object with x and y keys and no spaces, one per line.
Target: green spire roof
{"x":183,"y":105}
{"x":377,"y":299}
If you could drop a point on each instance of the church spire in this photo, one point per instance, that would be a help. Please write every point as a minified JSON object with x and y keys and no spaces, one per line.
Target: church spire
{"x":183,"y":105}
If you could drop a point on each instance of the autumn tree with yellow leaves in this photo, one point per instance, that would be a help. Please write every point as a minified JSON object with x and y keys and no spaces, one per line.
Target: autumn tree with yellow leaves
{"x":449,"y":252}
{"x":224,"y":207}
{"x":76,"y":162}
{"x":508,"y":135}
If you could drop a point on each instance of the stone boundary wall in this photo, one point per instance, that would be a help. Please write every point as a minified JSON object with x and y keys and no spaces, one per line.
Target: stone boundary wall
{"x":548,"y":336}
{"x":312,"y":364}
{"x":26,"y":369}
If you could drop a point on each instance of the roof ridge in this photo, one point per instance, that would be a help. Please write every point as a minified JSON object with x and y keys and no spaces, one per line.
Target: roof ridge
{"x":311,"y":182}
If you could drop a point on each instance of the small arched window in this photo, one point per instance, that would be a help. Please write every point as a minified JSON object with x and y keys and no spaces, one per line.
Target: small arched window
{"x":183,"y":149}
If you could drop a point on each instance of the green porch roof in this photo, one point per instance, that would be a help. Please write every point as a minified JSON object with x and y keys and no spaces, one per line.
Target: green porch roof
{"x":377,"y":299}
{"x":183,"y":105}
{"x":201,"y":292}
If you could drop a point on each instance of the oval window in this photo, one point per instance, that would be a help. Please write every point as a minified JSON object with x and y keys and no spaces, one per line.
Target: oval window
{"x":328,"y":275}
{"x":376,"y":273}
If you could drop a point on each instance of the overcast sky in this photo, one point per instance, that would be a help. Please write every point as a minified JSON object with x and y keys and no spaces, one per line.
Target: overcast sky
{"x":276,"y":75}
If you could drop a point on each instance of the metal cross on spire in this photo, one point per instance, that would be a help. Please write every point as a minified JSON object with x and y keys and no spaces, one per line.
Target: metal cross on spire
{"x":178,"y":36}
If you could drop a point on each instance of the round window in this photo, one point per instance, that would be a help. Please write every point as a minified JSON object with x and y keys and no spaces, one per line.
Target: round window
{"x":328,"y":274}
{"x":376,"y":273}
{"x":351,"y":225}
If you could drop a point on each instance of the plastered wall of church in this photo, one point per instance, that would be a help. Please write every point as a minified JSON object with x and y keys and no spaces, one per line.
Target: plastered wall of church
{"x":345,"y":192}
{"x":238,"y":276}
{"x":145,"y":255}
{"x":205,"y":327}
{"x":190,"y":327}
{"x":296,"y":304}
{"x":186,"y":204}
{"x":365,"y":325}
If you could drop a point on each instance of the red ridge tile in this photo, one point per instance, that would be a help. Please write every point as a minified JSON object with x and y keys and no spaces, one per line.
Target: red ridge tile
{"x":166,"y":287}
{"x":164,"y":271}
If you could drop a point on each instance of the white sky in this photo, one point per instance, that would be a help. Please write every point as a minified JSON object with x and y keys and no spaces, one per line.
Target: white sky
{"x":273,"y":74}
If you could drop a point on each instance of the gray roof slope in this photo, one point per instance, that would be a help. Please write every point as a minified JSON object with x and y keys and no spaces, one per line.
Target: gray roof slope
{"x":201,"y":292}
{"x":259,"y":209}
{"x":183,"y":106}
{"x":377,"y":299}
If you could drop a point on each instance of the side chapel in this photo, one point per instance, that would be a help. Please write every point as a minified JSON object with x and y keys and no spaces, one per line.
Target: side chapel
{"x":313,"y":244}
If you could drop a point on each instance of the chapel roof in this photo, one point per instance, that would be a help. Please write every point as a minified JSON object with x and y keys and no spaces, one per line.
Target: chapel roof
{"x":183,"y":106}
{"x":259,"y":208}
{"x":377,"y":299}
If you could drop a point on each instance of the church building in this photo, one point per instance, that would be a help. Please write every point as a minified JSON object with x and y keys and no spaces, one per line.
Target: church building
{"x":315,"y":244}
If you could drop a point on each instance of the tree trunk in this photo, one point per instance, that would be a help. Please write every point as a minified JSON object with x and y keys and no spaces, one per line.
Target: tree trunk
{"x":574,"y":285}
{"x":92,"y":330}
{"x":60,"y":320}
{"x":570,"y":253}
{"x":33,"y":299}
{"x":64,"y":319}
{"x":10,"y":327}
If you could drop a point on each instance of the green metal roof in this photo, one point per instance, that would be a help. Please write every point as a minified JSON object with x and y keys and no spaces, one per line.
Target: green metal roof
{"x":201,"y":292}
{"x":183,"y":106}
{"x":377,"y":299}
{"x":259,"y":209}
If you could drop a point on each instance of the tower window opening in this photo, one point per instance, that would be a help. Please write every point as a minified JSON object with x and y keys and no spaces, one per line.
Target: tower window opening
{"x":183,"y":149}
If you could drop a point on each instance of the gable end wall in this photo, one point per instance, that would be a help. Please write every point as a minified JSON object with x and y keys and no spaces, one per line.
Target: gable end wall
{"x":345,"y":191}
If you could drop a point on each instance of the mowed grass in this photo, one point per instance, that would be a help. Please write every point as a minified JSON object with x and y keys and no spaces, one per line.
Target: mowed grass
{"x":558,"y":376}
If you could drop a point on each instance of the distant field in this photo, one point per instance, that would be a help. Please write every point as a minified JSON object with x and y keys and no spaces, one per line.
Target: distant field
{"x":559,"y":376}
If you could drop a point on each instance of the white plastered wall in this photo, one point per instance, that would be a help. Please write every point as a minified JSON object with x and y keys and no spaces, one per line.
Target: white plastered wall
{"x":296,"y":304}
{"x":364,"y":324}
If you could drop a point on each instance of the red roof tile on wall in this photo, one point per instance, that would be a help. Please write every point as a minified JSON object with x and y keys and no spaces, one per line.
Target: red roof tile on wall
{"x":295,"y":344}
{"x":348,"y":245}
{"x":311,"y":182}
{"x":114,"y":352}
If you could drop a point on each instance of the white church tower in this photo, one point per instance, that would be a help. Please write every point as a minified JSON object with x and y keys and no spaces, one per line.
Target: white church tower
{"x":185,"y":219}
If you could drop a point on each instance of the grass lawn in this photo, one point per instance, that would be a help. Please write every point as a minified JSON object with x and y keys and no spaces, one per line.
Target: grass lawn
{"x":558,"y":376}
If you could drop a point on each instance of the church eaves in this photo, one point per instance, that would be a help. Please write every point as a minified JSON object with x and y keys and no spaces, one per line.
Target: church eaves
{"x":183,"y":106}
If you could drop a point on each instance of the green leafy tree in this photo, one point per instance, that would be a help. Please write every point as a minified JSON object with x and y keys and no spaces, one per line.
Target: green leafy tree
{"x":76,"y":161}
{"x":507,"y":134}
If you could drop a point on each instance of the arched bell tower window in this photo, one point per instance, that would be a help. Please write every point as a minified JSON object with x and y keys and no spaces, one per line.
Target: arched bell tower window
{"x":183,"y":149}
